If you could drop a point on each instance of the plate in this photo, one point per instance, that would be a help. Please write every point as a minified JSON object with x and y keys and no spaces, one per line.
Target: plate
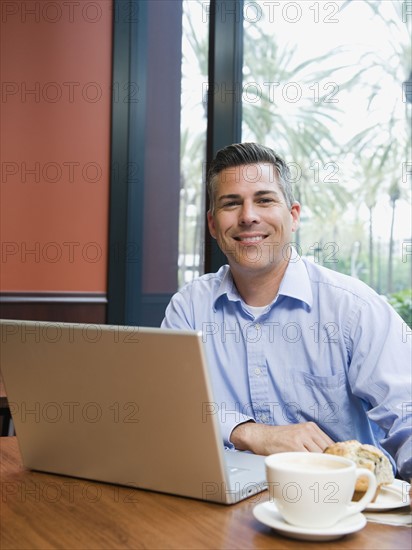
{"x":267,"y":513}
{"x":395,"y":495}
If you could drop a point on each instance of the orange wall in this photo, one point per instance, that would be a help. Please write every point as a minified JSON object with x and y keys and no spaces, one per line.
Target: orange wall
{"x":55,"y":145}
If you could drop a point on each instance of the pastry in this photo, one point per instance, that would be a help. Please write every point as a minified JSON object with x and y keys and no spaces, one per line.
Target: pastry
{"x":365,"y":456}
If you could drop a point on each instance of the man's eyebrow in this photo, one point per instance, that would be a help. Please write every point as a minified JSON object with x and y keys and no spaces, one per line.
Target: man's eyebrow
{"x":266,"y":192}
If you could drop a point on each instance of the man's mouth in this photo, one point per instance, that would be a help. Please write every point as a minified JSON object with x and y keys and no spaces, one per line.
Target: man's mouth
{"x":250,"y":238}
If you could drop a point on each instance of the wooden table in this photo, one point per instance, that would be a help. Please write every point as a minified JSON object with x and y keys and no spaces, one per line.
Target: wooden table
{"x":48,"y":511}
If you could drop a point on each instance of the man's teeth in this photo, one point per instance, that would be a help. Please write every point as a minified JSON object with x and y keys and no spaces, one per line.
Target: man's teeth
{"x":251,"y":239}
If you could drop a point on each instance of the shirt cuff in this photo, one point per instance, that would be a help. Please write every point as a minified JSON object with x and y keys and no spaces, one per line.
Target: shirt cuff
{"x":404,"y":460}
{"x":228,"y":427}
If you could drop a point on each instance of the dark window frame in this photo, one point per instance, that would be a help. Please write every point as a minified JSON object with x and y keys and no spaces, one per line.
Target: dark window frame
{"x":127,"y":304}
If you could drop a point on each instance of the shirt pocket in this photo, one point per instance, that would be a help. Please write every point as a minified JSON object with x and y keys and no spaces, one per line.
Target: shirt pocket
{"x":324,"y":400}
{"x":332,"y":382}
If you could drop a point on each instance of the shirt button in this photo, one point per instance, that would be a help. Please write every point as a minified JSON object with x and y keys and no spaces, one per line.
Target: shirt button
{"x":257,"y":326}
{"x":258,"y":371}
{"x":264,"y":418}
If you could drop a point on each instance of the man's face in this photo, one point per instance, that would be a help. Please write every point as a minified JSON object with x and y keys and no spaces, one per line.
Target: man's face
{"x":251,"y":222}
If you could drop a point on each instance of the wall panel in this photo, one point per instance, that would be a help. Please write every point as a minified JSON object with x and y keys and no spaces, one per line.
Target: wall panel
{"x":55,"y":148}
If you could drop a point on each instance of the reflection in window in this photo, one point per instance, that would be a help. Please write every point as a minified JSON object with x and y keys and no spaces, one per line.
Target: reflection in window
{"x":324,"y":84}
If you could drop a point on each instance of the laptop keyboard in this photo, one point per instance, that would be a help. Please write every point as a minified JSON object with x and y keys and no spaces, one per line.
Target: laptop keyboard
{"x":238,"y":470}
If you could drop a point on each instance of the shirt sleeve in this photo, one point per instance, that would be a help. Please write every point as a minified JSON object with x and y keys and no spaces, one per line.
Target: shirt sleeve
{"x":180,"y":316}
{"x":380,"y":373}
{"x":178,"y":313}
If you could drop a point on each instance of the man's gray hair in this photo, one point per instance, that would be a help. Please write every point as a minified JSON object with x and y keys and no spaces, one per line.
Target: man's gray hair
{"x":240,"y":154}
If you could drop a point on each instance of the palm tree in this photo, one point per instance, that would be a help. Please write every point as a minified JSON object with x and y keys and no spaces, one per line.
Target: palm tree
{"x":385,"y":147}
{"x":304,"y":132}
{"x":192,"y":145}
{"x":394,"y":195}
{"x":295,"y":129}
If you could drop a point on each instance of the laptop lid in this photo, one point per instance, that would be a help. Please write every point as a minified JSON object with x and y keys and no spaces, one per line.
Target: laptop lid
{"x":125,"y":405}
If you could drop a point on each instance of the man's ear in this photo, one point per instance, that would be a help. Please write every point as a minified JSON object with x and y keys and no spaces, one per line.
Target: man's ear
{"x":211,"y":224}
{"x":295,"y":213}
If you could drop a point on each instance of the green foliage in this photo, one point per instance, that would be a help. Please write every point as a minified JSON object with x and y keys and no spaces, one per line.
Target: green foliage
{"x":341,"y":183}
{"x":402,"y":303}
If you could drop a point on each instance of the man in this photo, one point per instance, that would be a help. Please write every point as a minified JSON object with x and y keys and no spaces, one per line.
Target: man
{"x":300,"y":355}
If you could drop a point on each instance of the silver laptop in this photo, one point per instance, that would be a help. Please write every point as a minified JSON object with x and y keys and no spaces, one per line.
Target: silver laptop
{"x":125,"y":405}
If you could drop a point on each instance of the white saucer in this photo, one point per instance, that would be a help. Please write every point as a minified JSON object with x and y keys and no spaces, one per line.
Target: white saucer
{"x":267,"y":513}
{"x":395,"y":495}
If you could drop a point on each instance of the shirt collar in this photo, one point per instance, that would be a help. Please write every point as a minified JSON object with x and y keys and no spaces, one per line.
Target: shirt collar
{"x":295,"y":283}
{"x":227,"y":287}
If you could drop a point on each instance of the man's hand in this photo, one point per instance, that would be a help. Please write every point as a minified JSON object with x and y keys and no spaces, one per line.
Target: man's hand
{"x":262,"y":439}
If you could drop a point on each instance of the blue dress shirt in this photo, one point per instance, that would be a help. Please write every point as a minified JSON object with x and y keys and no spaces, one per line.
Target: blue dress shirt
{"x":328,"y":349}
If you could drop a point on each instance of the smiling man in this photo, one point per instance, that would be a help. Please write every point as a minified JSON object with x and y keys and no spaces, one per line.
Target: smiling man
{"x":300,"y":355}
{"x":253,"y":220}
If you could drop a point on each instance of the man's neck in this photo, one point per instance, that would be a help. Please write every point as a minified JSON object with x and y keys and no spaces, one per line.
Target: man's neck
{"x":259,"y":289}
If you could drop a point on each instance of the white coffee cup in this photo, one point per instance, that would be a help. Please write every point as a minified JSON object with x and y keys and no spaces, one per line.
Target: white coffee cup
{"x":315,"y":489}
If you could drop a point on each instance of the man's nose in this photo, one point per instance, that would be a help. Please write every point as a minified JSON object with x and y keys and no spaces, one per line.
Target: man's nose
{"x":248,"y":214}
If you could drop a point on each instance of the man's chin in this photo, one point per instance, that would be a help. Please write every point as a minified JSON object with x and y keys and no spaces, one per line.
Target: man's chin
{"x":248,"y":266}
{"x":254,"y":266}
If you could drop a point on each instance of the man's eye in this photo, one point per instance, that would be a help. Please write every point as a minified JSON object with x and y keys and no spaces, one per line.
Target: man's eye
{"x":265,"y":201}
{"x":230,"y":204}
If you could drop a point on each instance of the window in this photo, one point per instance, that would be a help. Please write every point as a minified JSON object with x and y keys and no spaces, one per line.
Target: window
{"x":324,"y":84}
{"x":195,"y":37}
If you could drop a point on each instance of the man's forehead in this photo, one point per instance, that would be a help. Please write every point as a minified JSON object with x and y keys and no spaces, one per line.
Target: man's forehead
{"x":249,"y":173}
